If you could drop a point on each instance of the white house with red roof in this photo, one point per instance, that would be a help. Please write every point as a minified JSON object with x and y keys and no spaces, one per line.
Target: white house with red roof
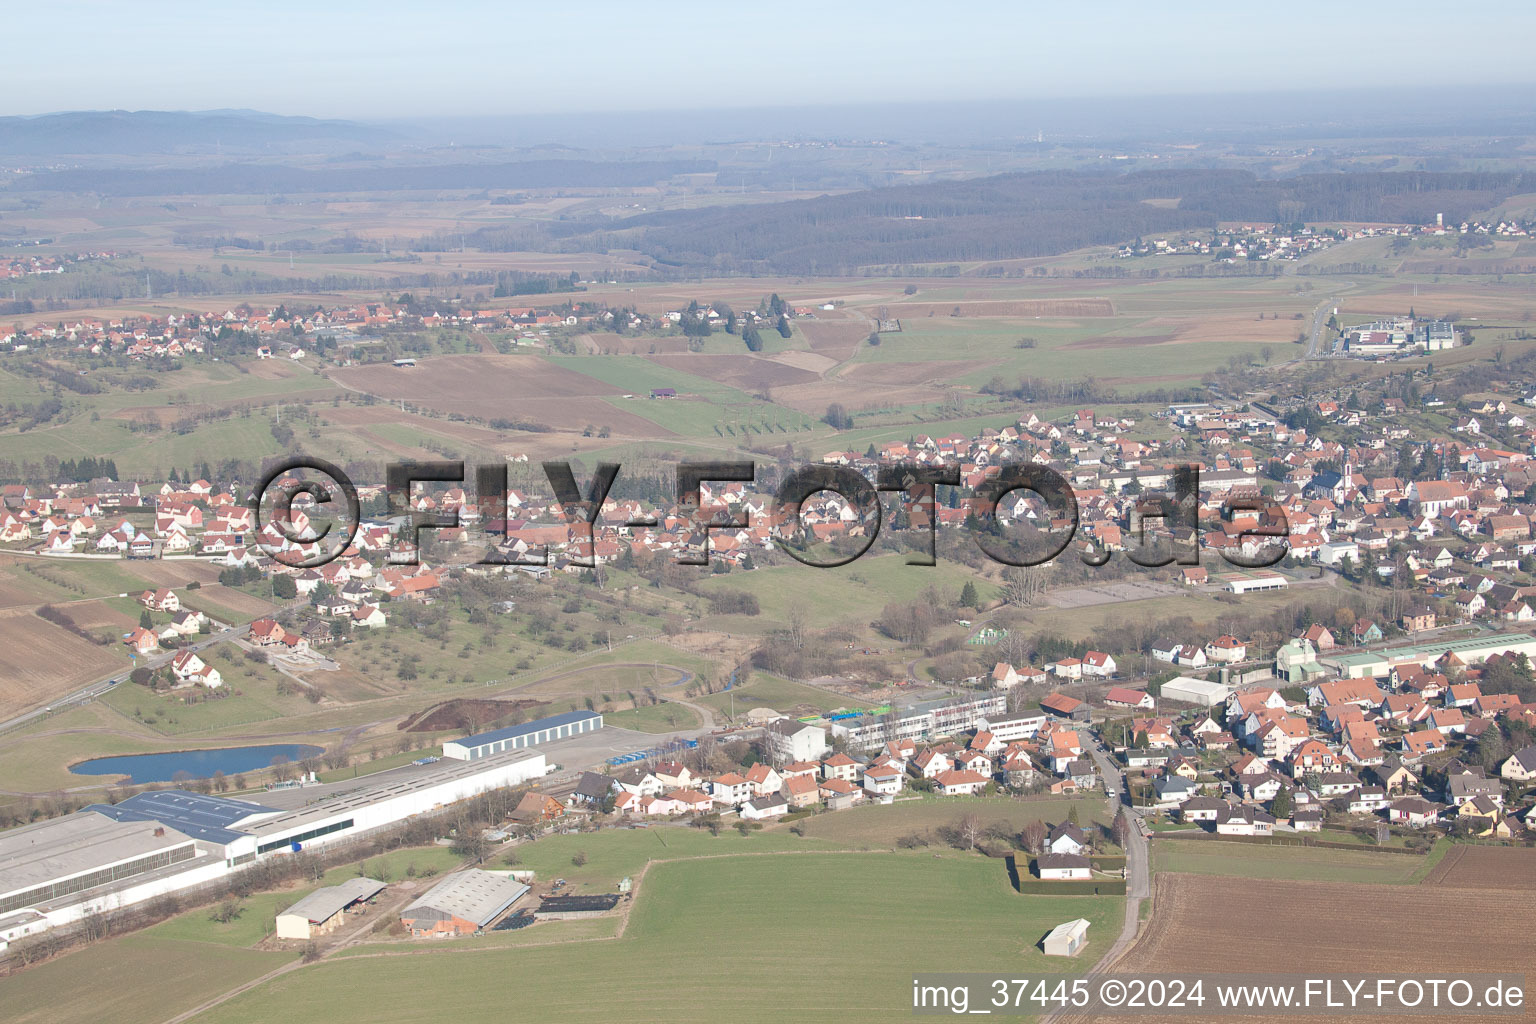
{"x":930,"y":764}
{"x":1097,"y":663}
{"x":189,"y":668}
{"x":961,"y":782}
{"x":1123,"y":697}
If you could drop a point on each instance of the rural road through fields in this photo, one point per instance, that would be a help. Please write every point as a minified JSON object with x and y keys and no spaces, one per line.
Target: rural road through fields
{"x":1320,"y":321}
{"x":105,"y":683}
{"x":1138,"y":872}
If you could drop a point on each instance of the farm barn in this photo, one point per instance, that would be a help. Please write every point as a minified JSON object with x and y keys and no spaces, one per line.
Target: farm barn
{"x":324,"y":910}
{"x":462,"y":904}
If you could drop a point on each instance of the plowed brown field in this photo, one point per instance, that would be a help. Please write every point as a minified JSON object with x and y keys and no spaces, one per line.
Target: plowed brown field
{"x":1487,"y":867}
{"x":1210,"y":924}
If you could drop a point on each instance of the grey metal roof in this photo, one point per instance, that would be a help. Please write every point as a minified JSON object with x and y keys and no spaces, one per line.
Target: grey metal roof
{"x":474,"y":895}
{"x":40,"y":853}
{"x":395,"y":782}
{"x":210,"y":818}
{"x":323,"y":904}
{"x":527,"y":728}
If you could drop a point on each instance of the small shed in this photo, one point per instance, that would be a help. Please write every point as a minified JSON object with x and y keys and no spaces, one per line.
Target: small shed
{"x":323,"y":910}
{"x":1066,"y":938}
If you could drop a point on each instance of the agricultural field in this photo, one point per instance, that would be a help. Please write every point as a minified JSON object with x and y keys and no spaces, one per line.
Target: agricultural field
{"x":45,"y":660}
{"x":1485,"y":867}
{"x":1230,"y":925}
{"x":109,"y":981}
{"x":715,"y":908}
{"x":523,"y":388}
{"x":1290,"y":863}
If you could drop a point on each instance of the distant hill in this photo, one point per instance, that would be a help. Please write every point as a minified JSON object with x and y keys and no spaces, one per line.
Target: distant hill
{"x":261,"y":178}
{"x":1014,"y":215}
{"x":148,"y":132}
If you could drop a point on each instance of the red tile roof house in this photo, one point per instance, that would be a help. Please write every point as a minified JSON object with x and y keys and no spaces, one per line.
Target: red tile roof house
{"x":266,"y":632}
{"x":160,"y":600}
{"x":1097,"y":663}
{"x":143,"y":641}
{"x":1064,"y":706}
{"x":930,"y":764}
{"x":882,"y":781}
{"x":801,"y":791}
{"x":840,"y":766}
{"x":730,"y":789}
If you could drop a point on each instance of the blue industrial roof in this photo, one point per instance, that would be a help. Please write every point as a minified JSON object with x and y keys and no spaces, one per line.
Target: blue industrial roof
{"x":201,"y":817}
{"x":527,"y":728}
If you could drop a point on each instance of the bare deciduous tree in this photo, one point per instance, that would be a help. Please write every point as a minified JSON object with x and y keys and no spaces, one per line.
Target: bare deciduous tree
{"x":968,"y":829}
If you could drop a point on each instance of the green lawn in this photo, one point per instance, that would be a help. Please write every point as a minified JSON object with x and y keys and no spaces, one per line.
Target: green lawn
{"x":770,"y":691}
{"x":665,"y":717}
{"x":613,"y":854}
{"x":856,"y":591}
{"x":1292,"y":863}
{"x":773,"y":919}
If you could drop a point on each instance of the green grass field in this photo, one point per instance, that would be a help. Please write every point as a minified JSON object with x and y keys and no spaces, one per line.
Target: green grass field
{"x":764,"y":690}
{"x":705,"y":409}
{"x":1292,"y":863}
{"x":133,"y":980}
{"x":771,"y":919}
{"x":857,"y":591}
{"x":665,"y":717}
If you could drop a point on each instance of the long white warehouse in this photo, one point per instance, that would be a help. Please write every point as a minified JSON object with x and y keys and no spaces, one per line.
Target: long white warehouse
{"x":107,"y":857}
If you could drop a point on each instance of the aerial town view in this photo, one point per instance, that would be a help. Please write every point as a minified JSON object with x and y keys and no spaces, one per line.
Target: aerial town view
{"x":717,"y":516}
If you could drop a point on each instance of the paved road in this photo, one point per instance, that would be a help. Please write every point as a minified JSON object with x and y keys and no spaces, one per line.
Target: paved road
{"x":1138,"y":870}
{"x":1320,"y":322}
{"x":93,"y":690}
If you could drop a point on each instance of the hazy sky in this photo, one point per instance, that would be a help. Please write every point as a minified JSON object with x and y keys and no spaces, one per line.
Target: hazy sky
{"x":386,"y":58}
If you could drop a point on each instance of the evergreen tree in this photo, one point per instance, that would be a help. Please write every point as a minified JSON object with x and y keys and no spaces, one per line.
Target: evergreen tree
{"x":968,"y":598}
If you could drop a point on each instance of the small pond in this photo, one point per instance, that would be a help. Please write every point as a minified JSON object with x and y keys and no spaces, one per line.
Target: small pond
{"x":196,"y":764}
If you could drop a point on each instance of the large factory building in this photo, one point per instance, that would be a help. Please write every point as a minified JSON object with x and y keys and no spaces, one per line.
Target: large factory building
{"x":109,"y":856}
